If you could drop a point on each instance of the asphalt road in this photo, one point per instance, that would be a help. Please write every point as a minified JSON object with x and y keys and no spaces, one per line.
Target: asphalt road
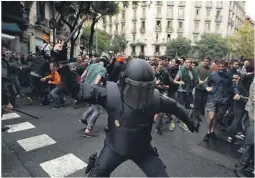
{"x":68,"y":151}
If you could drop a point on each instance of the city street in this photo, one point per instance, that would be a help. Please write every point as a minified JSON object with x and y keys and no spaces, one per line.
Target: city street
{"x":56,"y":147}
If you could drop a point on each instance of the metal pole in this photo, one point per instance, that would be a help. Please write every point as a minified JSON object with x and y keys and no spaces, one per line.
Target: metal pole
{"x":54,"y":29}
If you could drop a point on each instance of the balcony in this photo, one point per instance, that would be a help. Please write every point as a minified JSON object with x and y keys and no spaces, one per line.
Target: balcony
{"x":143,"y":17}
{"x":156,"y":53}
{"x":159,"y":17}
{"x":198,"y":4}
{"x":159,"y":3}
{"x":170,"y":3}
{"x":169,"y":17}
{"x":218,"y":19}
{"x":134,"y":18}
{"x":197,"y":18}
{"x":207,"y":19}
{"x":158,"y":29}
{"x":134,"y":30}
{"x":180,"y":18}
{"x":142,"y":30}
{"x":208,"y":5}
{"x":169,"y":29}
{"x":196,"y":31}
{"x":144,"y":4}
{"x":123,"y":32}
{"x":123,"y":20}
{"x":219,"y":6}
{"x":180,"y":30}
{"x":182,"y":4}
{"x":116,"y":21}
{"x":116,"y":33}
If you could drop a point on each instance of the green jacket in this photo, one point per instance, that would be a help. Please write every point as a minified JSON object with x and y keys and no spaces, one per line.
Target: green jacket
{"x":189,"y":84}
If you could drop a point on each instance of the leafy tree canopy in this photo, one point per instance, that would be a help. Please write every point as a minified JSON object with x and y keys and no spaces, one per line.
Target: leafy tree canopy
{"x":178,"y":47}
{"x":212,"y":45}
{"x":118,"y":44}
{"x":241,"y":43}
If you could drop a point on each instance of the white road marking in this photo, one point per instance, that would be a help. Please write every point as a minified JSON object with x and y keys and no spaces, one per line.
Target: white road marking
{"x":20,"y":127}
{"x":10,"y":116}
{"x":36,"y":142}
{"x":63,"y":166}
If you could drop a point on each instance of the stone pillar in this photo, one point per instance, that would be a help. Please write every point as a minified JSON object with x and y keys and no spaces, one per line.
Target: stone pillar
{"x":32,"y":41}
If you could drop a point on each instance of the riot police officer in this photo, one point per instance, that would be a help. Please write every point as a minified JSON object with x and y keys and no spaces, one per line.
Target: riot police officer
{"x":131,"y":107}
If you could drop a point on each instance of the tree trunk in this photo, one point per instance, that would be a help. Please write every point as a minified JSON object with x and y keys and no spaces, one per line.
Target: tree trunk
{"x":72,"y":48}
{"x":92,"y":30}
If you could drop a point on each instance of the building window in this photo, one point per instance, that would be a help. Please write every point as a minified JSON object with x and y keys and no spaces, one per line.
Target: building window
{"x":40,"y":7}
{"x":219,"y":4}
{"x":197,"y":12}
{"x":156,"y":37}
{"x":170,"y":12}
{"x":208,"y":12}
{"x":182,"y":2}
{"x":123,"y":27}
{"x":217,"y":27}
{"x":207,"y":27}
{"x":168,"y":37}
{"x":134,"y":25}
{"x":158,"y":26}
{"x":133,"y":37}
{"x":195,"y":38}
{"x":181,"y":13}
{"x":142,"y":49}
{"x":116,"y":28}
{"x":133,"y":49}
{"x":180,"y":25}
{"x":218,"y":14}
{"x":143,"y":25}
{"x":159,"y":12}
{"x":169,"y":24}
{"x":144,"y":14}
{"x":196,"y":25}
{"x":123,"y":15}
{"x":157,"y":49}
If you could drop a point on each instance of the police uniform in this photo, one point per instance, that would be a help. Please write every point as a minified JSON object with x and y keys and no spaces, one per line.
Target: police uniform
{"x":131,"y":107}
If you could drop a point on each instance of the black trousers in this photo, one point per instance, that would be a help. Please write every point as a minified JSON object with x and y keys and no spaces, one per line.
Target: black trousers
{"x":109,"y":160}
{"x":200,"y":101}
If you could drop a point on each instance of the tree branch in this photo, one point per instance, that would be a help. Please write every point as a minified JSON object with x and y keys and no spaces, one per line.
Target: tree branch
{"x":66,"y":22}
{"x":78,"y":33}
{"x":76,"y":19}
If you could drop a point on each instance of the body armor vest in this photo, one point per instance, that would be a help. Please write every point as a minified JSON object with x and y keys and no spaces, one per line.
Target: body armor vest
{"x":129,"y":131}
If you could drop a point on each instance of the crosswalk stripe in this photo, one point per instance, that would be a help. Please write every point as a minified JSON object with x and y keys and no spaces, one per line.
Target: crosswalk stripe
{"x":63,"y":166}
{"x":20,"y":127}
{"x":36,"y":142}
{"x":10,"y":116}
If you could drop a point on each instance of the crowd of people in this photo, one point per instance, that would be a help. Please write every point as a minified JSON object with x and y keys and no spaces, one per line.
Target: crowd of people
{"x":222,"y":92}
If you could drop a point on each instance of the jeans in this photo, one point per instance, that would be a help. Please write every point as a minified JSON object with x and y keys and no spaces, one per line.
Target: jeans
{"x":58,"y":95}
{"x":93,"y":111}
{"x":200,"y":101}
{"x":16,"y":84}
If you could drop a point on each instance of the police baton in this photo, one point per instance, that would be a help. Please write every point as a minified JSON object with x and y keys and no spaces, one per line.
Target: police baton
{"x":25,"y":113}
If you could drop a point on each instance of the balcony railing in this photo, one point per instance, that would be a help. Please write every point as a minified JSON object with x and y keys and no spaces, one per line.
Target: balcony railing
{"x":207,"y":19}
{"x":116,"y":21}
{"x":156,"y":53}
{"x":197,"y":18}
{"x":143,"y":17}
{"x":208,"y":5}
{"x":170,"y":3}
{"x":142,"y":30}
{"x":123,"y":20}
{"x":169,"y":29}
{"x":196,"y":31}
{"x":159,"y":3}
{"x":169,"y":17}
{"x":218,"y":19}
{"x":198,"y":4}
{"x":116,"y":33}
{"x":134,"y":30}
{"x":134,"y":18}
{"x":182,"y":3}
{"x":158,"y":29}
{"x":180,"y":30}
{"x":180,"y":18}
{"x":159,"y":16}
{"x":133,"y":53}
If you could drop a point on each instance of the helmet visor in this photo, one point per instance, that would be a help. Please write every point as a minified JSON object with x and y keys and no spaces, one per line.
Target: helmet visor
{"x":138,"y":94}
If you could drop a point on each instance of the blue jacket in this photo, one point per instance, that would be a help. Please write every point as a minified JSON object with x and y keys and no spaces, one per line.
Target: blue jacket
{"x":223,"y":87}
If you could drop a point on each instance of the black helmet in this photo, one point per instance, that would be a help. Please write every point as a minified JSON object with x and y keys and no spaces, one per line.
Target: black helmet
{"x":137,"y":84}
